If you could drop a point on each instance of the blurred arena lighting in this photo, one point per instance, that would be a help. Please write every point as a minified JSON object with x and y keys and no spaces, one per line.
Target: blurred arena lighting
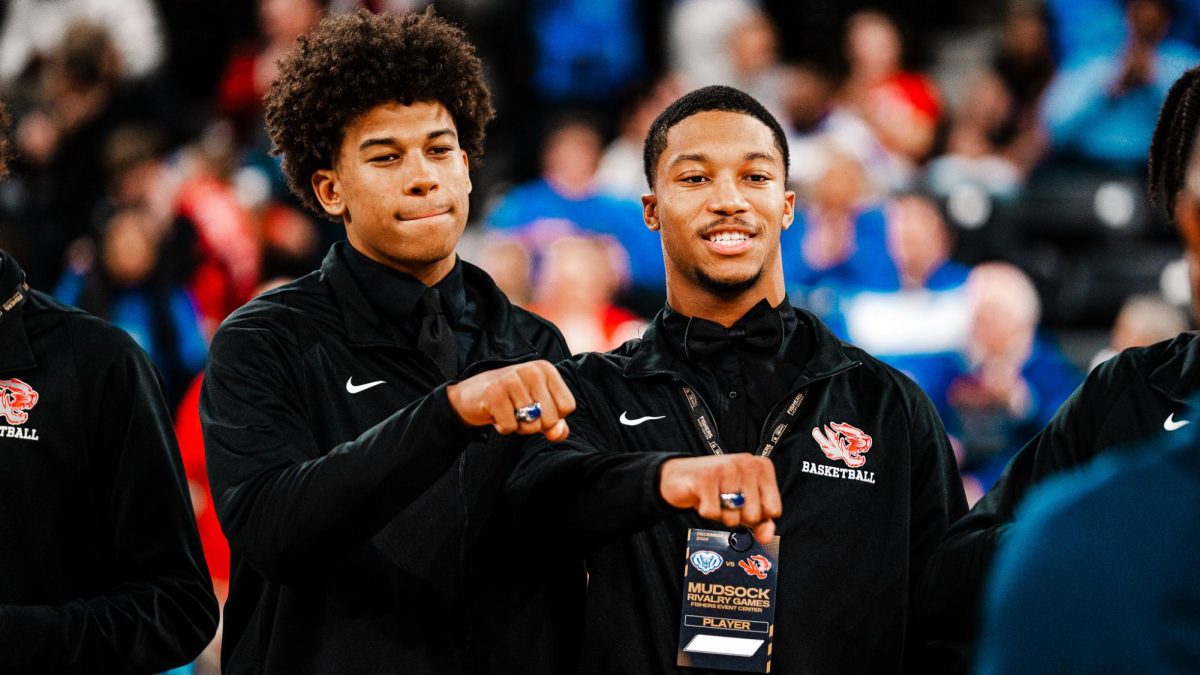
{"x":1174,"y":285}
{"x":1115,"y":204}
{"x":969,"y":206}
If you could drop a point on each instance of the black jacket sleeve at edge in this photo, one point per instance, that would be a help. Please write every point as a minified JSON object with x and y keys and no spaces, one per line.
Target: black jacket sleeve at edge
{"x":158,"y":610}
{"x":937,"y":501}
{"x":286,"y":505}
{"x":950,"y":593}
{"x":582,"y":486}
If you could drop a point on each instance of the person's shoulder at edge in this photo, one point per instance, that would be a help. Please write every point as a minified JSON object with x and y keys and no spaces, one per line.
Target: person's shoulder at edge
{"x":301,"y":295}
{"x":99,"y":337}
{"x":1145,"y":361}
{"x":1095,"y":494}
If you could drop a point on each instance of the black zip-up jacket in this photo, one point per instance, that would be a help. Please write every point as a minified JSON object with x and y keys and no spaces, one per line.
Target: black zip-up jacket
{"x":368,"y":525}
{"x":852,"y":541}
{"x":1134,"y":396}
{"x":100,"y":564}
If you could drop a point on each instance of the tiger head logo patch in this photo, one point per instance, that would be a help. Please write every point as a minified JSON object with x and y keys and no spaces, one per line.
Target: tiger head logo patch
{"x":16,"y":400}
{"x":842,"y":441}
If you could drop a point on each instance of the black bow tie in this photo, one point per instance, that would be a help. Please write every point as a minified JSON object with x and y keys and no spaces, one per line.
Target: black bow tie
{"x":760,"y":331}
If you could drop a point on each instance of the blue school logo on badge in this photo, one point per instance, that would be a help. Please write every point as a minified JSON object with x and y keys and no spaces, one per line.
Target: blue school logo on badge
{"x":707,"y":561}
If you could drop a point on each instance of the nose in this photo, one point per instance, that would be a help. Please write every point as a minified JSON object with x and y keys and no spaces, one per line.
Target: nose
{"x":727,"y":200}
{"x":420,"y":180}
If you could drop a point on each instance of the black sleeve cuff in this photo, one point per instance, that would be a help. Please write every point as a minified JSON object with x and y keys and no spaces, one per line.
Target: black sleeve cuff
{"x":442,"y":416}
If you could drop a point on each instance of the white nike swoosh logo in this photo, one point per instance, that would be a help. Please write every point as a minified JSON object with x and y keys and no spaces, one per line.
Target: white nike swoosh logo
{"x":1172,"y":425}
{"x":355,"y":388}
{"x":633,"y":423}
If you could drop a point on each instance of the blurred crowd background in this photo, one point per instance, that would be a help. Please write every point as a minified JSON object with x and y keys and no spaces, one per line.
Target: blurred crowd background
{"x":969,"y":173}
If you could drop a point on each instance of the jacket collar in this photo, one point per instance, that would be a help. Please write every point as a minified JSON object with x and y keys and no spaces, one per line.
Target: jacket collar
{"x":366,"y":327}
{"x":1184,"y":358}
{"x":15,"y":352}
{"x":654,"y":356}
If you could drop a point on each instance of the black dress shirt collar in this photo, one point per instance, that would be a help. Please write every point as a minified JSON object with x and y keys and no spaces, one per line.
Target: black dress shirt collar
{"x":397,"y":296}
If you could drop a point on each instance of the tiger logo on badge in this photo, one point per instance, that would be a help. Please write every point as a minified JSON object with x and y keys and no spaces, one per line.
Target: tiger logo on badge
{"x":707,"y":561}
{"x":756,"y":566}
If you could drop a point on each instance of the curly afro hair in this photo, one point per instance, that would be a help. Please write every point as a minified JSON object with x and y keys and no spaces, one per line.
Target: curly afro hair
{"x":354,"y":62}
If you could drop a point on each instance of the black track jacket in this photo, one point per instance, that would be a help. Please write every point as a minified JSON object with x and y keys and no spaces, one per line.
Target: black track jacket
{"x":368,"y":525}
{"x":100,"y":564}
{"x":1134,"y":396}
{"x":852,"y":542}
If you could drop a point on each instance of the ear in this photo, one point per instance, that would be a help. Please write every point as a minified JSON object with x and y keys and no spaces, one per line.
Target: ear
{"x":1187,"y":218}
{"x":789,"y":209}
{"x":650,"y":211}
{"x":325,"y":186}
{"x":467,"y":168}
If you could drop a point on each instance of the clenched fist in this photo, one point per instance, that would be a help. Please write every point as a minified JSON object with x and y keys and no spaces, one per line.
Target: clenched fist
{"x":493,"y":397}
{"x":697,"y":483}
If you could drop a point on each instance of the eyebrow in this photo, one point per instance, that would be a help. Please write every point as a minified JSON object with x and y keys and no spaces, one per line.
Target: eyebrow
{"x":696,"y":157}
{"x":692,"y":157}
{"x":371,"y":142}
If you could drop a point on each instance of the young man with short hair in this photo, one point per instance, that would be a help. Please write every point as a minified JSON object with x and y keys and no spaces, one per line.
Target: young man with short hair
{"x":850,"y":464}
{"x":345,"y":413}
{"x":101,"y":568}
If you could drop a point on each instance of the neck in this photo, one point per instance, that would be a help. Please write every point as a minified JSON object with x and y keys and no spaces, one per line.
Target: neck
{"x":691,"y":300}
{"x":426,"y":273}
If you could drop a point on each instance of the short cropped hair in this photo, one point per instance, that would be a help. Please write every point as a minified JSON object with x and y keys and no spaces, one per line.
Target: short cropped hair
{"x":354,"y":62}
{"x":713,"y":98}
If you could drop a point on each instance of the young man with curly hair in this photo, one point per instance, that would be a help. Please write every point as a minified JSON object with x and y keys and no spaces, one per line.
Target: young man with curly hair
{"x":346,"y":414}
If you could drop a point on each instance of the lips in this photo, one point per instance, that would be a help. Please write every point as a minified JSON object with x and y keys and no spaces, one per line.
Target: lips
{"x":433,"y":213}
{"x":728,"y":239}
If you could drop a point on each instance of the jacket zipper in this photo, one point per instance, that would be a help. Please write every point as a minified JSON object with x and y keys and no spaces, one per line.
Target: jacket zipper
{"x":473,"y":369}
{"x":795,"y":390}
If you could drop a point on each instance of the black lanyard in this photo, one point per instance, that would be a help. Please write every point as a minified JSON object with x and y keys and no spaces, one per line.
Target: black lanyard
{"x":708,"y":432}
{"x":14,"y":301}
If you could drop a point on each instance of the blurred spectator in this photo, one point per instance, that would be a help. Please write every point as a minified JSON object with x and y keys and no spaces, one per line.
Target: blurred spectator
{"x":920,"y":243}
{"x":125,"y":282}
{"x":564,"y":200}
{"x":902,"y":108}
{"x":917,"y":278}
{"x":586,"y":51}
{"x":838,"y":238}
{"x":34,"y":29}
{"x":61,"y":143}
{"x":697,"y":34}
{"x":252,"y":67}
{"x":753,"y":47}
{"x":227,"y":250}
{"x":1101,"y":110}
{"x":508,"y":262}
{"x":576,"y":286}
{"x":996,"y":138}
{"x":620,"y":172}
{"x":1143,"y":321}
{"x":138,"y":173}
{"x":1016,"y":379}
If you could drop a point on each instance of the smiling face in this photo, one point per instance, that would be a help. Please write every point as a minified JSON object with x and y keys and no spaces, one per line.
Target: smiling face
{"x":401,"y":186}
{"x":720,"y":203}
